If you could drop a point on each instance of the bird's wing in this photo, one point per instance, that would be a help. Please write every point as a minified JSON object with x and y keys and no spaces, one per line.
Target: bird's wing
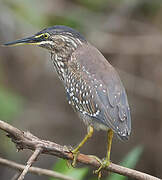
{"x":107,"y":90}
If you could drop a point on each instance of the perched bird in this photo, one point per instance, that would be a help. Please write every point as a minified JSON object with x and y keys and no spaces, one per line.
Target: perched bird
{"x":92,"y":85}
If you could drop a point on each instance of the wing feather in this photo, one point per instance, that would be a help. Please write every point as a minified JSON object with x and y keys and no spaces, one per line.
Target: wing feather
{"x":105,"y":89}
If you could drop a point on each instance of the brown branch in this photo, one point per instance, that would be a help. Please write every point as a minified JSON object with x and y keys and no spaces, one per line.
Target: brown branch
{"x":30,"y":162}
{"x":25,"y":140}
{"x":34,"y":170}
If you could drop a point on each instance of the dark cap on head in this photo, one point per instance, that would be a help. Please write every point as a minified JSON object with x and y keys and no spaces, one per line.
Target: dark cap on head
{"x":60,"y":29}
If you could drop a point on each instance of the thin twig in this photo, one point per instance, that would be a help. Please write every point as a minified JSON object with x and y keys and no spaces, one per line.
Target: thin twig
{"x":30,"y":162}
{"x":34,"y":170}
{"x":15,"y":176}
{"x":25,"y":140}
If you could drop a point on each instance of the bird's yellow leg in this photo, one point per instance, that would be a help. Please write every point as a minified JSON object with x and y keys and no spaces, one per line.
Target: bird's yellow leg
{"x":106,"y":162}
{"x":110,"y":137}
{"x":76,"y":150}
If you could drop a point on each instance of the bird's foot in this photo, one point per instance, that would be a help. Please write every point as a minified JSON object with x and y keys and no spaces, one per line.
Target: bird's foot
{"x":103,"y":163}
{"x":75,"y":153}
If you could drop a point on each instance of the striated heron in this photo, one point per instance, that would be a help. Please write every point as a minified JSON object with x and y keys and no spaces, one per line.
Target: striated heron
{"x":92,"y":85}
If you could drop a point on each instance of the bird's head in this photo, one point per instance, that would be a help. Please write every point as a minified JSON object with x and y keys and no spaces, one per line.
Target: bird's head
{"x":55,"y":38}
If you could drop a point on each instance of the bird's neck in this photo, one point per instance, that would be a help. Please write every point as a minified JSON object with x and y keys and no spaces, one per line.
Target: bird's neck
{"x":61,"y":56}
{"x":60,"y":64}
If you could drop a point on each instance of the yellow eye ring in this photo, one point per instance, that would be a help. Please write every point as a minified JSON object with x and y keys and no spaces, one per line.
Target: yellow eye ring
{"x":46,"y":35}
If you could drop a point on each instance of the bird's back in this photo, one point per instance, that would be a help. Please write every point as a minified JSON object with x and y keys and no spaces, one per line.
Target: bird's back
{"x":96,"y":91}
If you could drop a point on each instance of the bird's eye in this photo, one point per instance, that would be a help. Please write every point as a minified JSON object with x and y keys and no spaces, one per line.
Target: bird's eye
{"x":46,"y":35}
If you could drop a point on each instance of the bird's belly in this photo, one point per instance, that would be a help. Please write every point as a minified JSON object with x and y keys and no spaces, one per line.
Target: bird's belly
{"x":93,"y":122}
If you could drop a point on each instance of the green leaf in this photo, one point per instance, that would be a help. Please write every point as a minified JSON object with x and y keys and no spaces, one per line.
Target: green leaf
{"x":77,"y":173}
{"x":129,"y":161}
{"x":61,"y":166}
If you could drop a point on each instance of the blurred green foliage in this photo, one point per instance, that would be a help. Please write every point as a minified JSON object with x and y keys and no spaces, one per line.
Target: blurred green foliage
{"x":62,"y":20}
{"x":77,"y":173}
{"x":94,"y":4}
{"x":129,"y":161}
{"x":28,"y":11}
{"x":10,"y":104}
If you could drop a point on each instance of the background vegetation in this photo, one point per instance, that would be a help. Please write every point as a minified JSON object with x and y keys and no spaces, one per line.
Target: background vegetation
{"x":32,"y":98}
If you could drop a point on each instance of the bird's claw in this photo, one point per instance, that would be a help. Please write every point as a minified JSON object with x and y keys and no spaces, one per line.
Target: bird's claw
{"x":103,"y":163}
{"x":75,"y":153}
{"x":75,"y":156}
